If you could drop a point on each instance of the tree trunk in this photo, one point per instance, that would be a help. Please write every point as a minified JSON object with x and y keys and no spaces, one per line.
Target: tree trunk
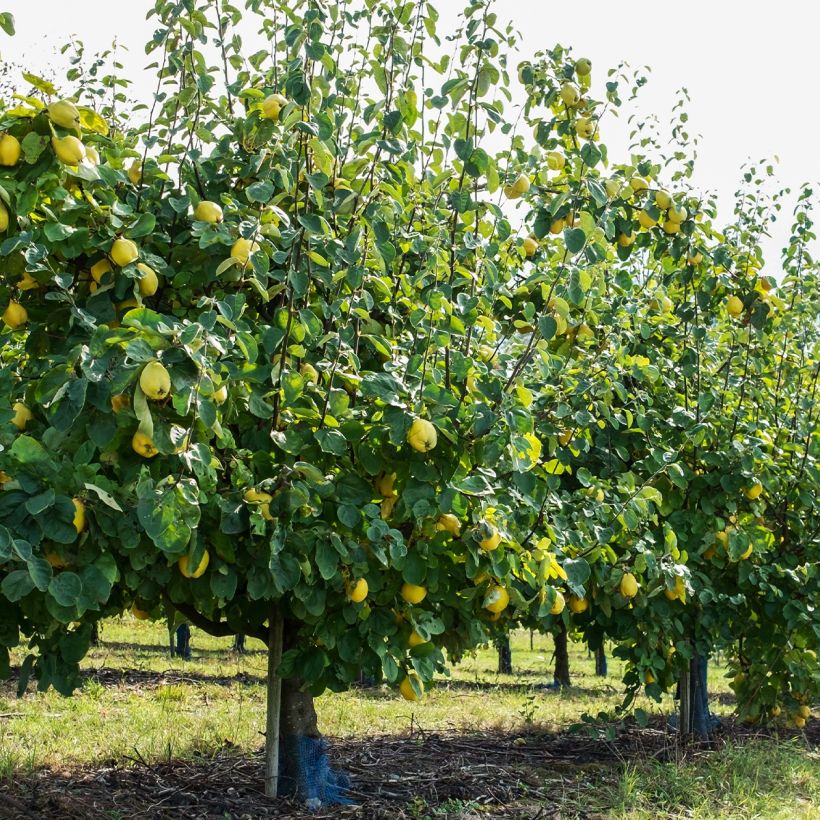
{"x":504,"y":656}
{"x":694,"y":718}
{"x":239,"y":644}
{"x":304,"y":771}
{"x":561,"y":657}
{"x":600,"y":662}
{"x":274,"y":700}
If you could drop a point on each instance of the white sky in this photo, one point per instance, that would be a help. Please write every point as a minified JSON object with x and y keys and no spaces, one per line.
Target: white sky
{"x":751,"y":68}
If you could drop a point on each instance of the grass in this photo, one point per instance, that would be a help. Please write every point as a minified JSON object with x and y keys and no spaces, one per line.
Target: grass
{"x":757,"y":779}
{"x":144,"y":705}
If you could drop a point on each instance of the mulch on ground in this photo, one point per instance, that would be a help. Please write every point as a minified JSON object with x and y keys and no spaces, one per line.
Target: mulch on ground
{"x":497,"y":774}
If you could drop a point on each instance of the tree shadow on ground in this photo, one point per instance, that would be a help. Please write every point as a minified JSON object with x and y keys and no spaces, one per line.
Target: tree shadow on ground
{"x":509,"y":774}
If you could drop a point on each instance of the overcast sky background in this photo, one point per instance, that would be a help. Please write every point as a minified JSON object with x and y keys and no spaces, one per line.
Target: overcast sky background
{"x":751,"y":68}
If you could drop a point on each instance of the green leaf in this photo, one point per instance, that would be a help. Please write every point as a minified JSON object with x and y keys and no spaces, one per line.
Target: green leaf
{"x":331,"y":441}
{"x":260,"y":191}
{"x":575,"y":239}
{"x":7,"y":22}
{"x":578,"y":572}
{"x":145,"y":225}
{"x":169,"y":512}
{"x":17,"y":585}
{"x":327,"y":559}
{"x":66,"y":589}
{"x":38,"y":503}
{"x":547,"y":326}
{"x":40,"y":571}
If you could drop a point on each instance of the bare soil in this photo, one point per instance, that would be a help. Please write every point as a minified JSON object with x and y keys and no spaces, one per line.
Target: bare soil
{"x":487,"y":775}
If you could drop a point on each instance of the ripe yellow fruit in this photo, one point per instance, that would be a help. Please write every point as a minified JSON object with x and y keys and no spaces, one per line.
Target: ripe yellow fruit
{"x":447,"y":522}
{"x":263,"y":499}
{"x":558,"y":604}
{"x":695,"y":258}
{"x":577,"y":605}
{"x":309,"y":372}
{"x":722,"y":538}
{"x":407,"y":691}
{"x":155,"y":381}
{"x":747,"y":553}
{"x":670,"y":227}
{"x":27,"y":282}
{"x":645,"y":220}
{"x":22,"y":415}
{"x":56,"y":560}
{"x":585,"y":127}
{"x":4,"y":218}
{"x":135,"y":172}
{"x":496,"y":600}
{"x":663,"y":200}
{"x":648,"y":677}
{"x":143,"y":445}
{"x":68,"y":149}
{"x":124,"y":252}
{"x":64,"y":113}
{"x":677,"y":214}
{"x":272,"y":105}
{"x":626,"y":239}
{"x":15,"y":315}
{"x":413,"y":593}
{"x":570,"y":93}
{"x":125,"y":306}
{"x":492,"y":541}
{"x":556,"y":226}
{"x":358,"y":592}
{"x":775,"y":711}
{"x":422,"y":435}
{"x":242,"y":250}
{"x":754,"y":491}
{"x":638,"y":185}
{"x":734,"y":306}
{"x":9,"y":150}
{"x":220,"y":395}
{"x":520,"y":186}
{"x":678,"y":593}
{"x":99,"y":269}
{"x":199,"y":571}
{"x":556,"y":161}
{"x":91,"y":155}
{"x":583,"y":67}
{"x":79,"y":515}
{"x":384,"y":484}
{"x":530,"y":246}
{"x":613,"y":187}
{"x":148,"y":282}
{"x":798,"y":722}
{"x":629,"y":585}
{"x":804,"y":711}
{"x":119,"y":402}
{"x":415,"y":639}
{"x":565,"y":437}
{"x":208,"y":211}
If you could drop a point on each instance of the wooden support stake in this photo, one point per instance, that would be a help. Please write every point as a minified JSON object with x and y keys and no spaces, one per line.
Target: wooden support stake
{"x":274,"y":701}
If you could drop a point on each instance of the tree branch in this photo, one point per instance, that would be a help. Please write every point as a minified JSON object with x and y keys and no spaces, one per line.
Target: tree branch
{"x":219,"y":629}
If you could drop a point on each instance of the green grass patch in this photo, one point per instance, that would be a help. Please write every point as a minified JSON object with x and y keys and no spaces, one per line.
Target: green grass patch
{"x":140,"y":705}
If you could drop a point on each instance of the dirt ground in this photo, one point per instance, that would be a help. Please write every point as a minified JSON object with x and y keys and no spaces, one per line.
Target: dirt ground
{"x":487,"y":775}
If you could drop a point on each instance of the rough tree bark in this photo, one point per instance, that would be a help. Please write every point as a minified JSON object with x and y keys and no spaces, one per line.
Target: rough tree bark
{"x":561,"y":657}
{"x":504,"y":656}
{"x":600,"y":662}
